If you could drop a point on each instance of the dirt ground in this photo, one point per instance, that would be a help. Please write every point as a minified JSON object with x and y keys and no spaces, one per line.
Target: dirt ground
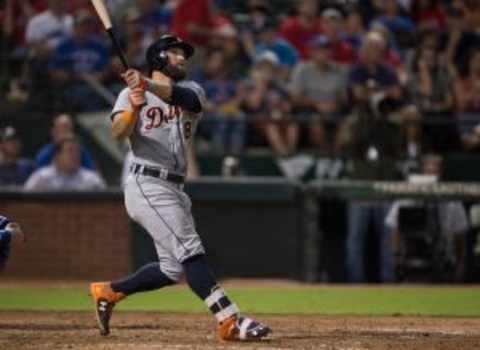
{"x":146,"y":331}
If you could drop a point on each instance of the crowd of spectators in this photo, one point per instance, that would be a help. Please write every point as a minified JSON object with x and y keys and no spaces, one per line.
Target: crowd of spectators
{"x":376,"y":80}
{"x":62,"y":164}
{"x":301,"y":75}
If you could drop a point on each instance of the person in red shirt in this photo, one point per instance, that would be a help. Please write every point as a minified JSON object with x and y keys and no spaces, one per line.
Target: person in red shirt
{"x":429,"y":13}
{"x":15,"y":17}
{"x":302,"y":28}
{"x":193,"y":21}
{"x":343,"y":52}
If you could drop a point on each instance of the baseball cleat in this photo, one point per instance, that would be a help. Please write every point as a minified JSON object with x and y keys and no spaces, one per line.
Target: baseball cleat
{"x":242,"y":329}
{"x":105,"y":299}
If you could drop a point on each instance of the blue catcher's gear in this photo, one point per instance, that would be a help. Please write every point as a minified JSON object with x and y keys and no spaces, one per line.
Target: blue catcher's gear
{"x":5,"y":237}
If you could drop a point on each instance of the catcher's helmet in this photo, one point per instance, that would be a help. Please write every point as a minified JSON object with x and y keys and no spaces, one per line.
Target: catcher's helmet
{"x":157,"y":55}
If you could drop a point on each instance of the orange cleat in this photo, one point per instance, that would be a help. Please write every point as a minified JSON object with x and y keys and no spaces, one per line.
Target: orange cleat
{"x":242,"y":329}
{"x":105,"y":299}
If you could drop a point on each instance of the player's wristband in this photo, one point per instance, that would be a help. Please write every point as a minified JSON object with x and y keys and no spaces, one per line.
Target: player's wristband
{"x":128,"y":117}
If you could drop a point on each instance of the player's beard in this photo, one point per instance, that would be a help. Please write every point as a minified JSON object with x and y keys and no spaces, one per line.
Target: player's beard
{"x":174,"y":72}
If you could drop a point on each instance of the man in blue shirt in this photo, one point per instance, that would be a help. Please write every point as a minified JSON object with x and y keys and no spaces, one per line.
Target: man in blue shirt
{"x":9,"y":231}
{"x":371,"y":75}
{"x":62,"y":128}
{"x":401,"y":27}
{"x":81,"y":57}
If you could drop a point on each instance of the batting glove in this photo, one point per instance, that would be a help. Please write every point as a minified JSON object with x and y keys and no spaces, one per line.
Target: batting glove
{"x":134,"y":79}
{"x":137,"y":98}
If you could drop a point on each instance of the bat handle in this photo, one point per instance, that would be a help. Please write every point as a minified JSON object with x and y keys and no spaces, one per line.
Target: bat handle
{"x":118,"y":48}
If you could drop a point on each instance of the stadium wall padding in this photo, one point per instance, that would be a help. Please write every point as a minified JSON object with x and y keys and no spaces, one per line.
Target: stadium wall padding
{"x":249,"y":229}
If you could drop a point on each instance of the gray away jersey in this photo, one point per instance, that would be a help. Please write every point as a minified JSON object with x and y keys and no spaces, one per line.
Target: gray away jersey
{"x":163,"y":132}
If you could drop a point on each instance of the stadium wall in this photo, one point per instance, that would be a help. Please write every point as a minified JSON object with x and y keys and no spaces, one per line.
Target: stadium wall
{"x":250,"y":228}
{"x":70,"y":236}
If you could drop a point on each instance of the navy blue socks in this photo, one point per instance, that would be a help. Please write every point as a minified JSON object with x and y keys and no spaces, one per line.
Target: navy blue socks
{"x":148,"y":278}
{"x":200,"y":279}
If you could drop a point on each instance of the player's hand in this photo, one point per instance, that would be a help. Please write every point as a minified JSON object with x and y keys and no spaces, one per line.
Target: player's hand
{"x":137,"y":98}
{"x":134,"y":79}
{"x":16,"y":232}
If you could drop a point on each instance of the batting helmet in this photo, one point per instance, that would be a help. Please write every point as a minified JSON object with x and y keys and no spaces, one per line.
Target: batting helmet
{"x":157,"y":52}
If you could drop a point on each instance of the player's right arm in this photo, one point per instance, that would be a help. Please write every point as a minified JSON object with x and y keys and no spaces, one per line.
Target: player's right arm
{"x":126,"y":112}
{"x":188,"y":96}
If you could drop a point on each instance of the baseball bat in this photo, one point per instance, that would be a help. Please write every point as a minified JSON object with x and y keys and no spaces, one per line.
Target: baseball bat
{"x":102,"y":12}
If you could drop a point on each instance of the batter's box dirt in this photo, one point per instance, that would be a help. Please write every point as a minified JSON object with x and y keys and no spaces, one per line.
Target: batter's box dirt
{"x":149,"y":331}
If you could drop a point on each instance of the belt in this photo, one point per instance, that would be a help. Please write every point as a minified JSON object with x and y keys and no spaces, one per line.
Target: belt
{"x":159,"y":173}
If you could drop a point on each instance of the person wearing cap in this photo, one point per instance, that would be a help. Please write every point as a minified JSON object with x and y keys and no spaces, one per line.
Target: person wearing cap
{"x":14,"y":170}
{"x":81,"y":57}
{"x":318,"y":88}
{"x":267,"y":101}
{"x":299,"y":30}
{"x":333,"y":28}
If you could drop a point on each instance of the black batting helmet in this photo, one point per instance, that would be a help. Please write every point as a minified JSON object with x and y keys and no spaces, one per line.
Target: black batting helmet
{"x":156,"y":53}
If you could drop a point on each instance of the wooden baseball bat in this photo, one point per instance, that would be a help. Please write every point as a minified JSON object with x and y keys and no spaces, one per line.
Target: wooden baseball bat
{"x":102,"y":12}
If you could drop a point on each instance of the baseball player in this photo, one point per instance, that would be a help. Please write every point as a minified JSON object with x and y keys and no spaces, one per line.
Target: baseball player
{"x":9,"y":231}
{"x":159,"y":116}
